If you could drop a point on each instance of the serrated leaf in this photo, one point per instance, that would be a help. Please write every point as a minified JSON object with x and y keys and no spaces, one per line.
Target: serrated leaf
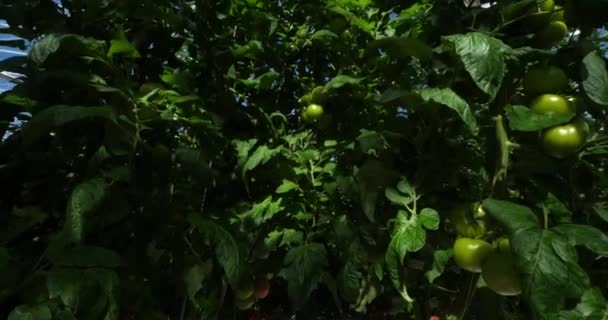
{"x":585,"y":235}
{"x":260,"y":156}
{"x":242,"y":148}
{"x":511,"y":215}
{"x":304,"y":266}
{"x":286,"y":186}
{"x":407,"y":235}
{"x":483,"y":57}
{"x":263,"y":82}
{"x":524,"y":119}
{"x":595,"y":78}
{"x":84,"y":200}
{"x":227,"y":250}
{"x":440,"y":259}
{"x":450,"y":99}
{"x":360,"y":23}
{"x":65,"y":44}
{"x":371,"y":142}
{"x":557,"y":209}
{"x":403,"y":47}
{"x":429,"y":218}
{"x":121,"y":46}
{"x":549,"y":268}
{"x":60,"y":115}
{"x":31,"y":312}
{"x":249,"y":50}
{"x":265,"y":210}
{"x":351,"y":276}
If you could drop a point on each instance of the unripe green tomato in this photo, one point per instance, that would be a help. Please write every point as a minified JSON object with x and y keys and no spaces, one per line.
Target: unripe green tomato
{"x":544,"y":79}
{"x":500,"y":274}
{"x":563,"y":141}
{"x":467,"y":220}
{"x":245,"y":304}
{"x":469,"y":254}
{"x":312,"y":112}
{"x":551,"y":103}
{"x":542,"y":15}
{"x":551,"y":34}
{"x":558,"y":14}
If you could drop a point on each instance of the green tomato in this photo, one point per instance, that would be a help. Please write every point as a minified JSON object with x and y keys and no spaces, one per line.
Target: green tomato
{"x":563,"y":141}
{"x":468,"y":220}
{"x":544,"y":79}
{"x":551,"y":103}
{"x":500,"y":274}
{"x":542,"y":15}
{"x":470,"y":254}
{"x":245,"y":290}
{"x":245,"y":304}
{"x":551,"y":34}
{"x":313,"y":112}
{"x":558,"y":15}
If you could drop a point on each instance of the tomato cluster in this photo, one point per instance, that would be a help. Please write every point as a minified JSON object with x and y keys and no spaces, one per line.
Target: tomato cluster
{"x":564,"y":140}
{"x":543,"y":18}
{"x":249,"y":290}
{"x":472,"y":253}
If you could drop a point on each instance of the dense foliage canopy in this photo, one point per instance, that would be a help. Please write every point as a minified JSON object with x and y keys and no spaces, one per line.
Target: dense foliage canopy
{"x":329,"y":159}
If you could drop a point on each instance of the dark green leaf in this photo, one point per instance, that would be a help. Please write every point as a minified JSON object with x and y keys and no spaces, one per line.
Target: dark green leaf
{"x":340,"y":81}
{"x":595,"y":78}
{"x":65,"y":45}
{"x":593,"y":306}
{"x":548,"y":263}
{"x":602,"y":212}
{"x":57,"y":116}
{"x":31,"y":312}
{"x":483,"y":57}
{"x":304,"y":266}
{"x":450,"y":99}
{"x":524,"y":119}
{"x":440,"y":259}
{"x":510,"y":215}
{"x":226,"y":248}
{"x":585,"y":235}
{"x":86,"y":257}
{"x":84,"y":200}
{"x":392,"y":94}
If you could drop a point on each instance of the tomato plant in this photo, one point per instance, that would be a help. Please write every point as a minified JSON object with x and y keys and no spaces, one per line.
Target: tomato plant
{"x":328,"y":159}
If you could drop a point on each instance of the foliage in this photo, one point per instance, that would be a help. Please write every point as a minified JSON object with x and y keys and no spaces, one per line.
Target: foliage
{"x":155,"y":158}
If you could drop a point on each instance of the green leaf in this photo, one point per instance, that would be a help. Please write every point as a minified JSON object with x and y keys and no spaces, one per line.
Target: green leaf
{"x":263,"y":82}
{"x":261,"y":155}
{"x":429,"y":218}
{"x":85,"y":257}
{"x":31,"y":312}
{"x":195,"y":277}
{"x":64,"y":46}
{"x":372,"y":178}
{"x":524,"y":119}
{"x":440,"y":260}
{"x":351,"y":276}
{"x":602,"y":212}
{"x":284,"y":237}
{"x":226,"y":249}
{"x":250,"y":50}
{"x":392,"y":94}
{"x":242,"y":148}
{"x":585,"y":235}
{"x":483,"y":57}
{"x":558,"y":210}
{"x":286,"y":186}
{"x":402,"y":47}
{"x":195,"y":162}
{"x":550,"y":270}
{"x":340,"y":81}
{"x":304,"y":266}
{"x":324,"y":36}
{"x":395,"y":197}
{"x":265,"y":210}
{"x":60,"y":115}
{"x":510,"y":215}
{"x":371,"y":142}
{"x":408,"y":235}
{"x":84,"y":200}
{"x":450,"y":99}
{"x":121,"y":46}
{"x":358,"y":22}
{"x":595,"y":78}
{"x":90,"y":293}
{"x":593,"y":306}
